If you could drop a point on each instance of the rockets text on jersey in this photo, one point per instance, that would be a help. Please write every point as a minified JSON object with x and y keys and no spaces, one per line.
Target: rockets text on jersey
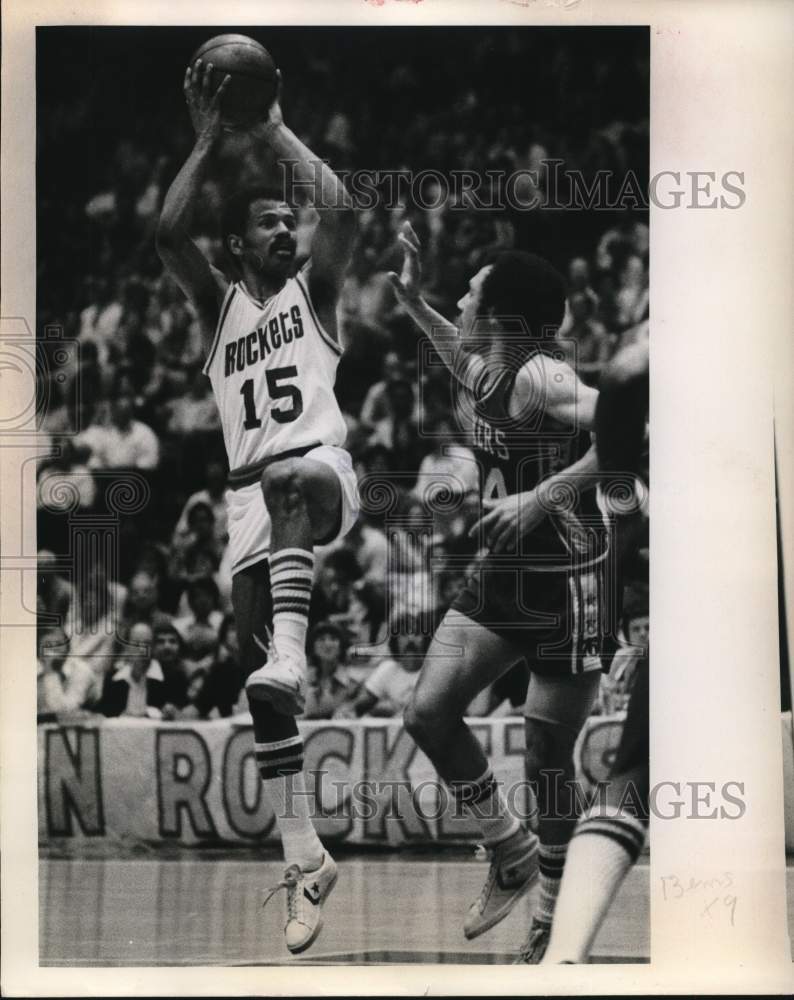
{"x":272,"y":367}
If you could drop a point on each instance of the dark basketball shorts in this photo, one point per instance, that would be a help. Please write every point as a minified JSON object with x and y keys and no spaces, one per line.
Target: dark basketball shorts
{"x":633,"y":751}
{"x":560,"y":622}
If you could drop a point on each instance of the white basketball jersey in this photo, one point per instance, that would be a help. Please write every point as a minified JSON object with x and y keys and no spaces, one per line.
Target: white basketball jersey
{"x":272,"y":367}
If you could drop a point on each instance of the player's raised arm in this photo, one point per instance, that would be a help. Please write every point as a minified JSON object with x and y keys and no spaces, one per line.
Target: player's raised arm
{"x":203,"y":284}
{"x":444,"y":335}
{"x":332,"y":242}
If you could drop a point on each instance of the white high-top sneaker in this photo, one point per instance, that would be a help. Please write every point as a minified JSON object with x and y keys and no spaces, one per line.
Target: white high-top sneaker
{"x":513,"y":871}
{"x":306,"y":893}
{"x":281,"y":680}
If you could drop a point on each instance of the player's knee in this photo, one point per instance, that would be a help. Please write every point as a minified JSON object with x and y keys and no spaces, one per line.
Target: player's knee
{"x":425,"y":722}
{"x":549,"y":746}
{"x":284,"y":482}
{"x":417,"y":722}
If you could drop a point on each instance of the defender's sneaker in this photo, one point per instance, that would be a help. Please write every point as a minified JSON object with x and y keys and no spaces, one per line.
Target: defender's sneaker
{"x":513,"y":871}
{"x":306,"y":893}
{"x":281,"y":680}
{"x":534,"y":948}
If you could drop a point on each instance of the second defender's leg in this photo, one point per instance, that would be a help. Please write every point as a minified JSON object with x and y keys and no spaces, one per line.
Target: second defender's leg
{"x":556,"y":709}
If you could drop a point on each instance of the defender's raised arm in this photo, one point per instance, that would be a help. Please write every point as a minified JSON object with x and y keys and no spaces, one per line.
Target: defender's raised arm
{"x":444,"y":335}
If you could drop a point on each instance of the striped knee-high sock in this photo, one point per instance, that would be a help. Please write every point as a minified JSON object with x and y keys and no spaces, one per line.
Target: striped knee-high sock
{"x":605,"y":845}
{"x":552,"y":863}
{"x":281,"y":769}
{"x":484,"y":802}
{"x":291,"y":577}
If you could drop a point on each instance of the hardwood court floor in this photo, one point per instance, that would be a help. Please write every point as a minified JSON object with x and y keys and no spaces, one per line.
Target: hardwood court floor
{"x":385,"y":909}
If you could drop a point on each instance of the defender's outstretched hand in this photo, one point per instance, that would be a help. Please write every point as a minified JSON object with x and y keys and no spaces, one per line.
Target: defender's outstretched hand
{"x":408,"y":284}
{"x":203,"y":105}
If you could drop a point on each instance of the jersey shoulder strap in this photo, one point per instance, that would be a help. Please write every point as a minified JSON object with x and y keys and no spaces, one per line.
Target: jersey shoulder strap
{"x":302,"y":279}
{"x":231,"y":291}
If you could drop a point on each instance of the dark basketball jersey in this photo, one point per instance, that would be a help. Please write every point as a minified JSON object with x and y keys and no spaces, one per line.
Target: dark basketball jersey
{"x":515,"y":455}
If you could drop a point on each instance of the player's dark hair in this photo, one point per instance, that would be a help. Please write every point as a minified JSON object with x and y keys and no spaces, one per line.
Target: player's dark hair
{"x":523,"y":284}
{"x":234,"y":218}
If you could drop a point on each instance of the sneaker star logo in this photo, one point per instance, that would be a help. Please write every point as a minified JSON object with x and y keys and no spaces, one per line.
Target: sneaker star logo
{"x":312,"y":893}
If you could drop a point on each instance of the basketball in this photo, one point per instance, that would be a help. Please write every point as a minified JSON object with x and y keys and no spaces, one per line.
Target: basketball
{"x":252,"y":87}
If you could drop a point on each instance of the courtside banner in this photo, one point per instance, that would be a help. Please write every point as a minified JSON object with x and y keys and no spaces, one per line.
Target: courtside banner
{"x":195,"y":783}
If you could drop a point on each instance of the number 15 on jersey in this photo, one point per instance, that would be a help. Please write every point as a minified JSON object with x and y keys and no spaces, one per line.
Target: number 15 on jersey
{"x":278,"y":387}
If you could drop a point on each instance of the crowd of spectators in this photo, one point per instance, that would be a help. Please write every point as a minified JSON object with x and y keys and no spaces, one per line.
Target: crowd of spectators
{"x":150,"y":631}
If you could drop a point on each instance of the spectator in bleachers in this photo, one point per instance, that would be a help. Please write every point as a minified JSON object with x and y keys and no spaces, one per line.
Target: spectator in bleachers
{"x":143,"y":602}
{"x":94,"y":617}
{"x":446,"y":474}
{"x":68,"y":466}
{"x":222,"y":687}
{"x":631,"y":298}
{"x":133,"y":349}
{"x":398,"y":432}
{"x":330,"y":686}
{"x":180,"y":348}
{"x":54,"y":594}
{"x":67,"y":685}
{"x":366,"y":295}
{"x":368,"y":546}
{"x":377,"y":405}
{"x":100,"y":319}
{"x":412,"y":541}
{"x":196,"y":412}
{"x":198,"y":552}
{"x":212,"y":494}
{"x":629,"y":236}
{"x":200,"y":628}
{"x":135,"y":687}
{"x":124,"y":443}
{"x":333,"y":587}
{"x":579,"y":282}
{"x":169,"y":653}
{"x":389,"y":687}
{"x":592,"y":346}
{"x":364,"y":627}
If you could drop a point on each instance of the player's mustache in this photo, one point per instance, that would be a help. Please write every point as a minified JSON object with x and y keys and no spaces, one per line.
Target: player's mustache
{"x":282,"y":244}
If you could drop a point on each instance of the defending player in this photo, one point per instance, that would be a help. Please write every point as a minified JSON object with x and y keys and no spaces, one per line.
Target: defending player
{"x":272,"y":351}
{"x":610,"y":835}
{"x":541,"y":599}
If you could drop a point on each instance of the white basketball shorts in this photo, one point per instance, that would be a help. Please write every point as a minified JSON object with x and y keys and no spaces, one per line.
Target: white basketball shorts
{"x":249,"y":521}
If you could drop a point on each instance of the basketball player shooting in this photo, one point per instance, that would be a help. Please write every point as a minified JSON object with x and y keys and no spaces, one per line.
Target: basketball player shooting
{"x":540,"y":590}
{"x":272,"y":351}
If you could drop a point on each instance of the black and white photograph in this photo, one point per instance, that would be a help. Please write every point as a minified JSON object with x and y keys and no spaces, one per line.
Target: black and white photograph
{"x":344,"y":528}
